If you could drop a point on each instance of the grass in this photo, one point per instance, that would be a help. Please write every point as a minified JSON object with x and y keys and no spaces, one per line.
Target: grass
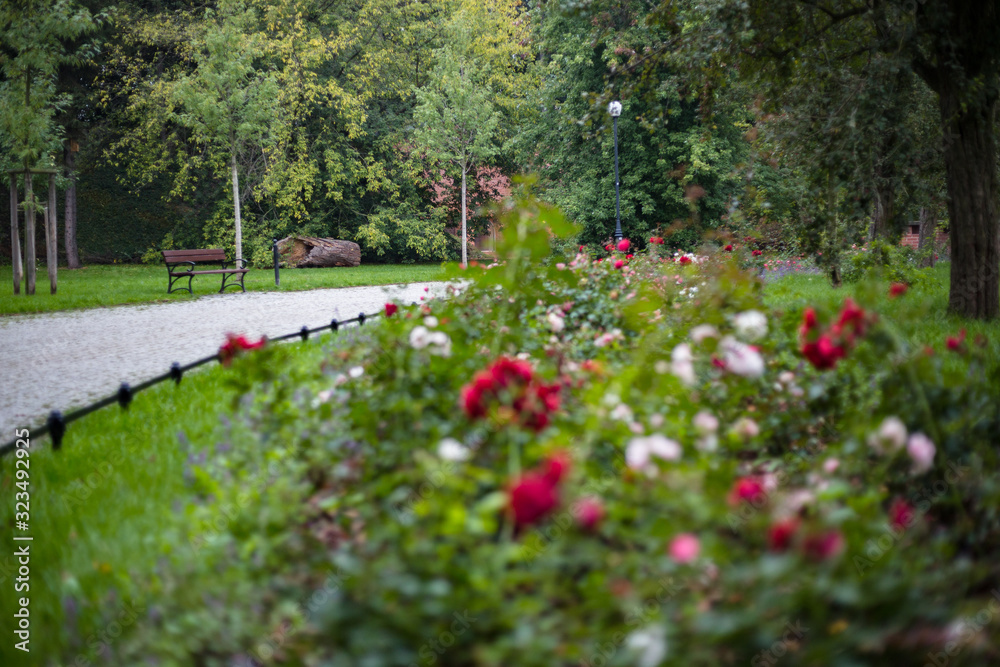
{"x":104,"y":285}
{"x":100,"y":507}
{"x":920,"y":315}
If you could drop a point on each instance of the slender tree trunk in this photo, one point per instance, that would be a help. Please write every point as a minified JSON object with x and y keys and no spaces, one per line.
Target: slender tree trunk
{"x":970,"y":163}
{"x":15,"y":236}
{"x":69,"y":212}
{"x":236,"y":206}
{"x":29,"y":234}
{"x":465,"y":243}
{"x":51,"y":241}
{"x":834,"y":249}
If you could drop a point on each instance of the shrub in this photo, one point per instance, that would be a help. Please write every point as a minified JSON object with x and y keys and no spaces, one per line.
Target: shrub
{"x":698,"y":490}
{"x":884,"y":261}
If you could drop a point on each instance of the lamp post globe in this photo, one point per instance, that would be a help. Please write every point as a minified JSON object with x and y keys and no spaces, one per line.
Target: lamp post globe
{"x":615,"y":109}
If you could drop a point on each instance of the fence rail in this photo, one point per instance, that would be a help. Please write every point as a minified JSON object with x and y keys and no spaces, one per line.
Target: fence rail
{"x":55,"y":425}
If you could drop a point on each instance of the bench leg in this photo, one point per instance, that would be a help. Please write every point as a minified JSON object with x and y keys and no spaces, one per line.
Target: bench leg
{"x":227,"y":276}
{"x":173,"y":279}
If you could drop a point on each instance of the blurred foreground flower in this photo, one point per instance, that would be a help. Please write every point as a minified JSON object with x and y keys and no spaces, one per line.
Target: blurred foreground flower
{"x":234,"y":345}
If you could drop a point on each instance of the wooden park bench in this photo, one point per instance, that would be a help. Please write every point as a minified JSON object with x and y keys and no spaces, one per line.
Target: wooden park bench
{"x":181,"y":264}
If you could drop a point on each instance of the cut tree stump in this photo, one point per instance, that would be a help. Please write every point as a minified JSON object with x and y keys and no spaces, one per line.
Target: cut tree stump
{"x":309,"y":252}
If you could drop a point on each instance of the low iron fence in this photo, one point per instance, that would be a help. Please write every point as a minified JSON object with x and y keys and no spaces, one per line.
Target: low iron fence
{"x":56,"y":424}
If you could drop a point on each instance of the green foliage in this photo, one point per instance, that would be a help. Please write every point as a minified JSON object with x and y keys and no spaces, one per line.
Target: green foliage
{"x":325,"y":521}
{"x":880,"y":260}
{"x":677,"y":168}
{"x":37,"y":38}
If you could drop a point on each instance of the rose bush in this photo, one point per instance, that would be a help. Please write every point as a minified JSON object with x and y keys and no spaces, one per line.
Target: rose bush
{"x":631,"y":466}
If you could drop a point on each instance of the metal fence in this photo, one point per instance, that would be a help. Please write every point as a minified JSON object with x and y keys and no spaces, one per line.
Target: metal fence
{"x":55,"y":425}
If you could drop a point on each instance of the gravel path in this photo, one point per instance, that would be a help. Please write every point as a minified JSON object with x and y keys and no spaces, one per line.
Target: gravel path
{"x":67,"y":359}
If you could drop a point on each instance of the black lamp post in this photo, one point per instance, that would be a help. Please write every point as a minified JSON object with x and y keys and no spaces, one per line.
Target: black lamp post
{"x":615,"y":109}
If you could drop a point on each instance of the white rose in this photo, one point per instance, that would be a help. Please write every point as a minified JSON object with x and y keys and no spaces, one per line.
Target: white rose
{"x":751,"y":324}
{"x":703,"y":331}
{"x":419,"y":338}
{"x":741,"y":359}
{"x":450,"y":449}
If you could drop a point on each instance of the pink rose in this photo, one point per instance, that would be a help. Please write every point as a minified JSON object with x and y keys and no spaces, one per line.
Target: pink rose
{"x":684,"y":548}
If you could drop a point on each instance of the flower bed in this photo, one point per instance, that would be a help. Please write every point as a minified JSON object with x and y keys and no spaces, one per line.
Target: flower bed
{"x":607,"y":461}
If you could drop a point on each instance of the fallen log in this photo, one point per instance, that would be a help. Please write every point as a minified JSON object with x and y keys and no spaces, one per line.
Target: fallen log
{"x":309,"y":251}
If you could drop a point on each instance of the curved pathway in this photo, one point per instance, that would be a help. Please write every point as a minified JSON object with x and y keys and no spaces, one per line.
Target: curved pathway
{"x":66,"y":359}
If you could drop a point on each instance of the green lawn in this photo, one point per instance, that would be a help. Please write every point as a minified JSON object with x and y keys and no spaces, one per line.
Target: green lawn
{"x":921,"y":313}
{"x":103,"y":285}
{"x":102,"y":508}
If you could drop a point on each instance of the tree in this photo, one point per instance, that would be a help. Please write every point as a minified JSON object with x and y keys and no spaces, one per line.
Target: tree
{"x":950,"y":44}
{"x":228,"y":102}
{"x":37,"y":38}
{"x":678,"y":171}
{"x":456,"y":120}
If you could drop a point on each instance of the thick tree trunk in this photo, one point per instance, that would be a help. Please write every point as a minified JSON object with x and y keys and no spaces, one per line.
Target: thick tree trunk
{"x":236,"y":208}
{"x":970,"y":162}
{"x":883,"y":213}
{"x":308,"y":251}
{"x":465,"y":235}
{"x":69,"y":211}
{"x":928,"y":235}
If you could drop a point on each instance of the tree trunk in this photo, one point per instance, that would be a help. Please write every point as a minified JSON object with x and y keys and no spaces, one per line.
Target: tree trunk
{"x":29,"y":235}
{"x":15,"y":236}
{"x":308,"y":251}
{"x":883,"y":212}
{"x":465,"y":236}
{"x":928,"y":235}
{"x":51,"y":242}
{"x":970,"y":163}
{"x":69,"y":212}
{"x":236,"y":208}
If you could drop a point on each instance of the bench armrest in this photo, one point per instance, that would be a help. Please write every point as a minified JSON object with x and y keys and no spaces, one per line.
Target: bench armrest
{"x":171,"y":265}
{"x":240,"y":264}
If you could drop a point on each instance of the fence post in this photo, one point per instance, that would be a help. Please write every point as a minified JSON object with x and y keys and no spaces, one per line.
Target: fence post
{"x":274,"y":252}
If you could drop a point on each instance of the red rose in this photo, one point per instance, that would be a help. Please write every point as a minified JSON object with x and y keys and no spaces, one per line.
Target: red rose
{"x":234,"y":345}
{"x":780,"y":536}
{"x":511,"y":380}
{"x":685,"y":260}
{"x":624,"y":245}
{"x":747,"y":490}
{"x":390,"y":309}
{"x":897,"y":289}
{"x":823,"y":546}
{"x":954,"y":343}
{"x":823,"y":354}
{"x":532,"y":498}
{"x":619,"y":263}
{"x":851,"y":316}
{"x":589,"y":513}
{"x":556,"y":467}
{"x":505,"y":371}
{"x":729,"y":248}
{"x":808,"y":321}
{"x":901,"y":514}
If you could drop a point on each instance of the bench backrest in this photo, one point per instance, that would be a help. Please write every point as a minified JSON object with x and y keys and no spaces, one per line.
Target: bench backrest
{"x":211,"y":255}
